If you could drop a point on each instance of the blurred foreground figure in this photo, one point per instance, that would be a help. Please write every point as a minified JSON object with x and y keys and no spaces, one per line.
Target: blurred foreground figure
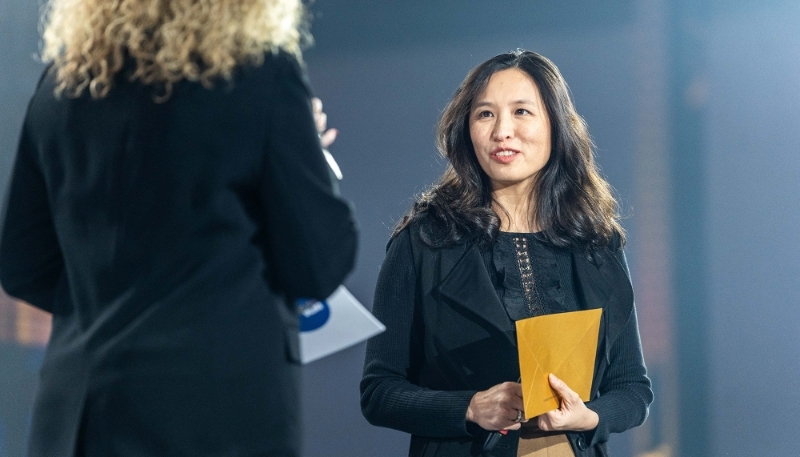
{"x":169,"y":200}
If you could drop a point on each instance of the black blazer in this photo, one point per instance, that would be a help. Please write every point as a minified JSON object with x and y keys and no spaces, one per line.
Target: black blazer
{"x":448,"y":336}
{"x":166,"y":239}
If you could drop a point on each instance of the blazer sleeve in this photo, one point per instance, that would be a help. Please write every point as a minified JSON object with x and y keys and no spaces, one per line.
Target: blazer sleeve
{"x":390,"y":396}
{"x":31,"y":262}
{"x":625,"y":391}
{"x":310,"y":231}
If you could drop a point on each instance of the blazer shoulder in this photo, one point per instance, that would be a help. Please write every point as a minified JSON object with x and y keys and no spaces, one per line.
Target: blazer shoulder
{"x":285,"y":67}
{"x":616,"y":244}
{"x":408,"y":237}
{"x":420,"y":229}
{"x":282,"y":58}
{"x":279,"y":71}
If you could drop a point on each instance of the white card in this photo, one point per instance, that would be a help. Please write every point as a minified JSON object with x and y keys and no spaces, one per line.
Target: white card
{"x":334,"y":324}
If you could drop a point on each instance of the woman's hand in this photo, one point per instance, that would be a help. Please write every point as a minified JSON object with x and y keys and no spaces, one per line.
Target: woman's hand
{"x":326,"y":136}
{"x":497,"y":408}
{"x":572,"y":415}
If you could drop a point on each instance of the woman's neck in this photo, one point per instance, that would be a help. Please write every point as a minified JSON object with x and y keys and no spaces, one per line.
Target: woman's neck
{"x":513,"y":205}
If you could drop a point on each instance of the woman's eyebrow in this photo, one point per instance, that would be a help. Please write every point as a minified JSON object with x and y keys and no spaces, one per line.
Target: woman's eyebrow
{"x":482,"y":104}
{"x":522,"y":101}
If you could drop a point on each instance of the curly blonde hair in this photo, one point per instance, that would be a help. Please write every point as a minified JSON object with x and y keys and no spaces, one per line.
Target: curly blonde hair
{"x":89,"y":41}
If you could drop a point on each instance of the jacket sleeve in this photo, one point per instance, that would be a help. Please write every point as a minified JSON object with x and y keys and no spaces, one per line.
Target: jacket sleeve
{"x":390,"y":395}
{"x":31,"y":263}
{"x":310,"y":231}
{"x":625,"y":391}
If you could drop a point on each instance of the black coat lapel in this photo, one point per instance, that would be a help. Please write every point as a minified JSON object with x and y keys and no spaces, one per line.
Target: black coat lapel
{"x":468,"y":286}
{"x":472,"y":338}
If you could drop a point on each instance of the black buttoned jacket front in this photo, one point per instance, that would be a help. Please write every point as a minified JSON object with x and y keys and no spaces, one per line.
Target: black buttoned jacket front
{"x":448,"y":336}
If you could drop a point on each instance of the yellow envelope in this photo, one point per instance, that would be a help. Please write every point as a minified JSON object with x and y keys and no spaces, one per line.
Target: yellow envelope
{"x":564,"y":344}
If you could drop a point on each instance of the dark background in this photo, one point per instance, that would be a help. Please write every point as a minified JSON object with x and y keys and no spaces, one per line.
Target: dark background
{"x":695,"y":110}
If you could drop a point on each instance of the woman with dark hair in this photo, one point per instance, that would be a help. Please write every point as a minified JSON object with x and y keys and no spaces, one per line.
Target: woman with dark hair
{"x":520,"y":224}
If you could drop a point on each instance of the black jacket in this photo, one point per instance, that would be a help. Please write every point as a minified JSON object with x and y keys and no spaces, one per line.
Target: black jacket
{"x":448,"y":337}
{"x":165,"y":239}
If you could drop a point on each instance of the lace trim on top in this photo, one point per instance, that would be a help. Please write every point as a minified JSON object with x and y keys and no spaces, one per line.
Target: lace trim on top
{"x":533,"y":297}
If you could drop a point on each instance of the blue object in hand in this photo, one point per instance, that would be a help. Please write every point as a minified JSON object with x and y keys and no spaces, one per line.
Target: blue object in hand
{"x":313,"y":314}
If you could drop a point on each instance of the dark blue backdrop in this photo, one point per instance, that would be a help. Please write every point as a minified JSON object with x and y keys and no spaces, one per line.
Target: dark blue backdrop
{"x":385,"y":70}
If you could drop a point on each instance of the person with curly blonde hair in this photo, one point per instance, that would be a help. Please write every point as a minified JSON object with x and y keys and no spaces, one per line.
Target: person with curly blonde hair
{"x":169,"y":201}
{"x":89,"y":41}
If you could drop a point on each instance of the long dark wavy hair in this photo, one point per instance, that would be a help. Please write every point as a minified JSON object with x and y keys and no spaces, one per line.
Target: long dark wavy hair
{"x":573,"y":205}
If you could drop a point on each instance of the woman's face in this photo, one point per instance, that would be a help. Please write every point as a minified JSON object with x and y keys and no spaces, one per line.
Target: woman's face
{"x":510,"y":130}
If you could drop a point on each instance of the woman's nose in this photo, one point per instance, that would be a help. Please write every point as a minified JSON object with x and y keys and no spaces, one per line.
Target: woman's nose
{"x":503,"y":128}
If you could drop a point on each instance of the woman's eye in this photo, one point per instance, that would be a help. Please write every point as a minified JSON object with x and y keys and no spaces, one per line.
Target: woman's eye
{"x":522,"y":111}
{"x":484,"y":114}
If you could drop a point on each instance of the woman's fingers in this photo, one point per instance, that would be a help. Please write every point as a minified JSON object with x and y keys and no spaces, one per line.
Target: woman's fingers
{"x":327,"y":138}
{"x":316,"y":105}
{"x":320,"y":118}
{"x":563,"y":390}
{"x":515,"y":426}
{"x":497,"y":408}
{"x":572,"y":414}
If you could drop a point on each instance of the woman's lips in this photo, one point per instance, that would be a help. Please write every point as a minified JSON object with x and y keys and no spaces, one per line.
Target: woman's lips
{"x":504,"y":155}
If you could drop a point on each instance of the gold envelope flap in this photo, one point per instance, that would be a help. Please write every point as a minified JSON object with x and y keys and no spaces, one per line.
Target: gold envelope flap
{"x":564,"y":344}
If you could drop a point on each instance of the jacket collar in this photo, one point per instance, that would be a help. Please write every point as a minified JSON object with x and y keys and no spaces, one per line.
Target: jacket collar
{"x":602,"y":282}
{"x":467,"y":284}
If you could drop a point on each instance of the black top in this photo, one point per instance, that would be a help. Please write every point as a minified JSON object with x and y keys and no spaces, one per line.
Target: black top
{"x":164,"y":238}
{"x":528,"y":279}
